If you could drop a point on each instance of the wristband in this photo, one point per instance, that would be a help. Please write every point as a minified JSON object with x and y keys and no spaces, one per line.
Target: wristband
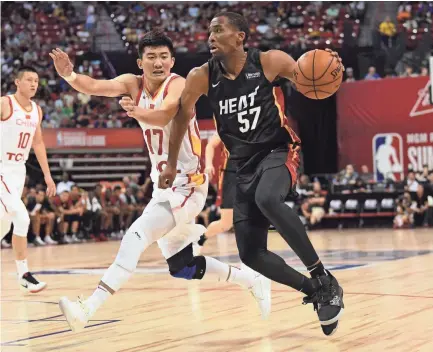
{"x":71,"y":77}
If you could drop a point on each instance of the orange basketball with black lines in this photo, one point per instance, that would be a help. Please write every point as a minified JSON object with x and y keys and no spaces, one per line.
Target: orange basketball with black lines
{"x":318,"y":74}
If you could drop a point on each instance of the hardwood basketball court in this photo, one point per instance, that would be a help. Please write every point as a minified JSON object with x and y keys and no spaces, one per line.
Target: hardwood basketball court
{"x":387,"y":277}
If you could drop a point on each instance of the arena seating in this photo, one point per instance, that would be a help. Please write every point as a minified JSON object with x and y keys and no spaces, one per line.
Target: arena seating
{"x":415,"y":18}
{"x":316,"y":25}
{"x":354,"y":209}
{"x":106,"y":165}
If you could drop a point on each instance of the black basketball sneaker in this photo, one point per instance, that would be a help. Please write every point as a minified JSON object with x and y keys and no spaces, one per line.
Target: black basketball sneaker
{"x":328,"y":302}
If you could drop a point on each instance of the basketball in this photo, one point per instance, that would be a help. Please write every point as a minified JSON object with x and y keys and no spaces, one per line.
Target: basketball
{"x":318,"y":74}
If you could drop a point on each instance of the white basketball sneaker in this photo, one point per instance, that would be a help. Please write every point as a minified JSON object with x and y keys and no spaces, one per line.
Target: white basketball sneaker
{"x":261,"y":291}
{"x":28,"y":284}
{"x":77,"y":313}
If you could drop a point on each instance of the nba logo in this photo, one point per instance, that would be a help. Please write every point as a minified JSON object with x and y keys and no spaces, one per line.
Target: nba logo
{"x":388,"y":157}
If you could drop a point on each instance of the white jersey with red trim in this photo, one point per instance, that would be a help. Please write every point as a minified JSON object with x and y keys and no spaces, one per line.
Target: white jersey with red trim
{"x":157,"y":140}
{"x":17,"y":131}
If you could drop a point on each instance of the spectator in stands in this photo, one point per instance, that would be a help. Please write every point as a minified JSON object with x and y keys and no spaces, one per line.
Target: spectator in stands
{"x":411,"y":182}
{"x":404,"y":12}
{"x":142,"y":201}
{"x":430,"y":182}
{"x":408,"y":72}
{"x":68,"y":217}
{"x":387,"y":30}
{"x":422,"y":176}
{"x":91,"y":18}
{"x":333,"y":11}
{"x":112,"y":203}
{"x":128,"y":207}
{"x":372,"y":75}
{"x":349,"y":176}
{"x":420,"y":206}
{"x":313,"y":207}
{"x":303,"y":187}
{"x":78,"y":209}
{"x":43,"y":214}
{"x":100,"y":123}
{"x":349,"y":75}
{"x":65,"y":185}
{"x":424,"y":71}
{"x":113,"y":122}
{"x":365,"y":175}
{"x":100,"y":217}
{"x":404,"y":216}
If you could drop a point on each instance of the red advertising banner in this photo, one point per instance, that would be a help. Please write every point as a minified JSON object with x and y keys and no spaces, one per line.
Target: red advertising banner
{"x":386,"y":125}
{"x":89,"y":138}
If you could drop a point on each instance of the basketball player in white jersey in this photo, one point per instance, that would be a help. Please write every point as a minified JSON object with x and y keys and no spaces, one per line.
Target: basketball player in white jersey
{"x":20,"y":129}
{"x":169,"y":217}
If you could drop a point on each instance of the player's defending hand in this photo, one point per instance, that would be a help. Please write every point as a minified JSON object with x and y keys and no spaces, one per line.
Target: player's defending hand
{"x":335,"y":54}
{"x":51,"y":186}
{"x":129,"y":106}
{"x":166,"y":177}
{"x":63,"y":65}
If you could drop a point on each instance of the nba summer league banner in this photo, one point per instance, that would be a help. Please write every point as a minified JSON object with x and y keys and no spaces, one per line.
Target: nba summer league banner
{"x":387,"y":125}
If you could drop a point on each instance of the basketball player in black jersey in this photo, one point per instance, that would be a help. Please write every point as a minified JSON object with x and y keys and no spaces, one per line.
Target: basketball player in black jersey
{"x":252,"y":125}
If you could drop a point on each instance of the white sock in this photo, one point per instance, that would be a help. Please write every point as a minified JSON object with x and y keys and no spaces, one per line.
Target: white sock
{"x":97,"y":299}
{"x":241,"y":277}
{"x":215,"y":270}
{"x":219,"y":271}
{"x":22,"y":267}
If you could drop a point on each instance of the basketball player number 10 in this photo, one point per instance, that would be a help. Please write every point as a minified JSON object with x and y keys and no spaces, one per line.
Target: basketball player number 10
{"x":24,"y":140}
{"x":245,"y":122}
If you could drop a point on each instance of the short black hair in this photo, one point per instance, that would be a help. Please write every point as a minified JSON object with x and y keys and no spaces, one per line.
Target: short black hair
{"x":25,"y":69}
{"x":238,"y":21}
{"x":156,"y":37}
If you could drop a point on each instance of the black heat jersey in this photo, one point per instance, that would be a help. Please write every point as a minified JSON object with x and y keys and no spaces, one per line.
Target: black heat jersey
{"x":249,"y":111}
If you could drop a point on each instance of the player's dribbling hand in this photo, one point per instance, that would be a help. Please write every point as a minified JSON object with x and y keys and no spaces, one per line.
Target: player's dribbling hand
{"x":166,"y":177}
{"x":335,"y":54}
{"x":51,"y":186}
{"x":63,"y":65}
{"x":210,"y":171}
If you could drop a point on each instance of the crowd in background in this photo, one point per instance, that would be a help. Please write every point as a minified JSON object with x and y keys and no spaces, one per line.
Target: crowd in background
{"x":278,"y":24}
{"x":31,"y":29}
{"x":413,"y":206}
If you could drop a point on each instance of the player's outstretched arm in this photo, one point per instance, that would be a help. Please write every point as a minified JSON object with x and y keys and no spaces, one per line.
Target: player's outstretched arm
{"x":159,"y":117}
{"x":277,"y":63}
{"x":195,"y":86}
{"x":41,"y":155}
{"x":88,"y":85}
{"x":211,"y":145}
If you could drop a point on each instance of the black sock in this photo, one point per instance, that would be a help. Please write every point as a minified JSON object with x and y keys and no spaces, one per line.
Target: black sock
{"x":316,"y":270}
